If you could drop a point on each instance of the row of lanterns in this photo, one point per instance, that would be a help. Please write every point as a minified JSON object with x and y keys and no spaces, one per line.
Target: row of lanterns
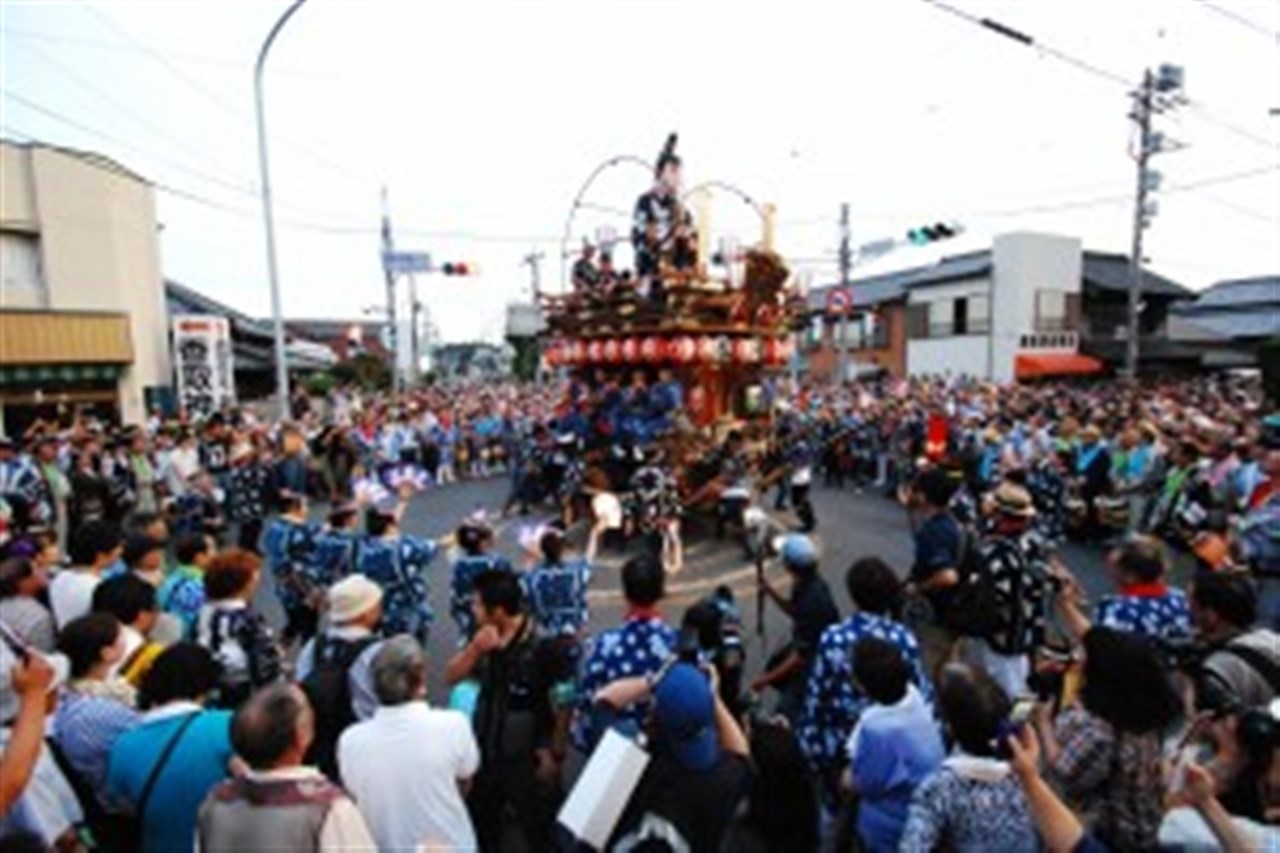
{"x":682,"y":349}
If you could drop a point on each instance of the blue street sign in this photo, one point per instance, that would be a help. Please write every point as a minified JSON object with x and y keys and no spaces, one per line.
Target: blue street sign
{"x":404,"y":263}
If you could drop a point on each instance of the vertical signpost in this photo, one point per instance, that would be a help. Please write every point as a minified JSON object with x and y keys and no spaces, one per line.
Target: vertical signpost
{"x":203,"y":361}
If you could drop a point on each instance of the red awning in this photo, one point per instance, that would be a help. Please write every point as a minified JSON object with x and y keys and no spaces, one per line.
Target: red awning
{"x":1055,"y":364}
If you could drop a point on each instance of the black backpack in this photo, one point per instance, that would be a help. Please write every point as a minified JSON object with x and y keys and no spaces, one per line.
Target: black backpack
{"x":329,"y":689}
{"x":975,"y":608}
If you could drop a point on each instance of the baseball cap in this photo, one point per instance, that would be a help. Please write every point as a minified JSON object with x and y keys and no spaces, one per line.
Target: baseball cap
{"x":799,"y":551}
{"x":685,"y":715}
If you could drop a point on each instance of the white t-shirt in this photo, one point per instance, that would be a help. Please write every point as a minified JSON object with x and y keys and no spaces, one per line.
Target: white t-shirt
{"x":71,"y":595}
{"x":402,"y":768}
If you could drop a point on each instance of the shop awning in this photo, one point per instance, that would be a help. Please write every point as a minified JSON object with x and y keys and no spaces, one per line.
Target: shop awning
{"x":64,"y":338}
{"x":1055,"y":364}
{"x":58,"y":374}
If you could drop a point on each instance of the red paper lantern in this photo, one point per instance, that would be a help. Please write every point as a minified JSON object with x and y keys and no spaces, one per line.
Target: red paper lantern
{"x":630,"y":350}
{"x":595,"y":351}
{"x":577,"y":352}
{"x":652,"y":349}
{"x":746,"y":350}
{"x":788,"y":348}
{"x":683,"y":349}
{"x":706,"y":348}
{"x":551,"y":355}
{"x":779,"y":350}
{"x":612,"y":351}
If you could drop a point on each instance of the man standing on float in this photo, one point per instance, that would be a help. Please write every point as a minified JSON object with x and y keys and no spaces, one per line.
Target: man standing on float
{"x":663,"y":233}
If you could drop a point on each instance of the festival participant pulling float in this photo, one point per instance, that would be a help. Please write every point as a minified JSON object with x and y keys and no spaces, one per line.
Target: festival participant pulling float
{"x":714,"y":337}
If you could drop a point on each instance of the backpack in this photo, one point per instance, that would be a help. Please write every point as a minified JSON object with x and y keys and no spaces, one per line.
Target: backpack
{"x":974,"y":609}
{"x":328,"y":686}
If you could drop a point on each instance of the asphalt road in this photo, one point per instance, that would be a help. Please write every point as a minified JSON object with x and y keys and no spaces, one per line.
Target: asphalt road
{"x":851,"y":525}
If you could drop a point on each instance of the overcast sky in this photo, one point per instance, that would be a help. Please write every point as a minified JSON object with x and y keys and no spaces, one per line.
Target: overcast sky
{"x":483,"y":118}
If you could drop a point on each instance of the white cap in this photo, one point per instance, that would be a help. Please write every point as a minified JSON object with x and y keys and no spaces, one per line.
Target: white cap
{"x":352,"y":597}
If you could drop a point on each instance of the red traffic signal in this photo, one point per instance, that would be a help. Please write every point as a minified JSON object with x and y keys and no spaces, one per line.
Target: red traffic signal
{"x":458,"y":268}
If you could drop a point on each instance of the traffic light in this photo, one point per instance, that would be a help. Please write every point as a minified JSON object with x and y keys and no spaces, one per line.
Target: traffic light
{"x":459,"y":268}
{"x":932,"y":233}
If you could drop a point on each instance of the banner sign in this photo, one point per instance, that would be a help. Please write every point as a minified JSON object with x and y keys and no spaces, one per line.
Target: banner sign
{"x":203,"y":360}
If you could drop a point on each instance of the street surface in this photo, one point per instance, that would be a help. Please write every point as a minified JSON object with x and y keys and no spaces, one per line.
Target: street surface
{"x":851,"y":525}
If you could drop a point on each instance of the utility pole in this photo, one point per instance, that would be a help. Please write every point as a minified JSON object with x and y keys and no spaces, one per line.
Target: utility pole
{"x":846,"y":278}
{"x":415,"y":313}
{"x":268,"y":213}
{"x":1159,"y":92}
{"x":534,"y":261}
{"x":388,"y":246}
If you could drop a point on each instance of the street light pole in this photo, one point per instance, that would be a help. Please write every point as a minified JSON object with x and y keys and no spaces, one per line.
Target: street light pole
{"x":268,"y":215}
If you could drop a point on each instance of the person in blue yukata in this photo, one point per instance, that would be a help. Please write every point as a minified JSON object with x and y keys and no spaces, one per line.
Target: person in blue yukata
{"x":639,"y":647}
{"x":474,"y":538}
{"x":288,"y":544}
{"x":333,"y":554}
{"x":833,"y":703}
{"x":398,"y":563}
{"x":1145,"y":604}
{"x":557,"y":589}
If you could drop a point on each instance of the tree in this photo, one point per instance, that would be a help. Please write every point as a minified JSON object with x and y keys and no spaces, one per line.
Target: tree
{"x":365,"y":370}
{"x":528,"y":353}
{"x":320,"y":384}
{"x":1269,"y":364}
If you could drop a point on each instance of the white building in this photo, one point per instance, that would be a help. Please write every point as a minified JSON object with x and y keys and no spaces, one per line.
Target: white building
{"x":82,"y":307}
{"x":1013,"y":308}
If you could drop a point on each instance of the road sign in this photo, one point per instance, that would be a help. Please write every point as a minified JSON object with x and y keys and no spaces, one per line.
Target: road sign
{"x":404,"y":263}
{"x":839,"y":301}
{"x":875,"y":248}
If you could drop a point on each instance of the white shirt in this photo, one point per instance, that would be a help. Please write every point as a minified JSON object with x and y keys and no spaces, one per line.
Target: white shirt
{"x":343,"y":828}
{"x":133,"y":640}
{"x":71,"y":594}
{"x":403,"y":767}
{"x":233,"y":657}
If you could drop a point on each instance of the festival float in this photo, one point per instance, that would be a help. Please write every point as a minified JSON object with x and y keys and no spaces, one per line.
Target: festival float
{"x":720,"y":323}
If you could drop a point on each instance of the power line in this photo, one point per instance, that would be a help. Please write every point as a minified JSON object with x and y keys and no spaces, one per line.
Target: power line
{"x":1119,"y":198}
{"x":1022,"y":38}
{"x":209,"y":94}
{"x":1235,"y":16}
{"x":106,"y":97}
{"x":1241,"y":210}
{"x":1097,"y":201}
{"x":242,"y":188}
{"x":162,"y":158}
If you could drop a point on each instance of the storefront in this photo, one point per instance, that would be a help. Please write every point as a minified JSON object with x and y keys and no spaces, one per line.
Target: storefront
{"x":53,"y":363}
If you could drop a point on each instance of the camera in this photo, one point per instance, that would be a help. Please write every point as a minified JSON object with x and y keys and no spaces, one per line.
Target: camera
{"x":711,"y":631}
{"x":1259,"y":730}
{"x":1271,"y":432}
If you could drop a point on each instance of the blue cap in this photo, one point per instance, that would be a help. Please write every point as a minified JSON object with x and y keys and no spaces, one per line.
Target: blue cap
{"x":799,"y":551}
{"x":685,"y":714}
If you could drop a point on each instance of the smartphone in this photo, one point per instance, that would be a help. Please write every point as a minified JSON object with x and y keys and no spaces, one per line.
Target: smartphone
{"x":1023,"y":708}
{"x":1018,"y":718}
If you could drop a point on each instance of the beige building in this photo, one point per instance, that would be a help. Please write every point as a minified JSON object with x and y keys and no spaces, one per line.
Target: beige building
{"x":83,"y":319}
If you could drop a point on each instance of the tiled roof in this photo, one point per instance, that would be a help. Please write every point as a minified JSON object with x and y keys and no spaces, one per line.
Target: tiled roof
{"x":1254,"y":292}
{"x":887,"y":287}
{"x":193,"y":301}
{"x":1111,"y":272}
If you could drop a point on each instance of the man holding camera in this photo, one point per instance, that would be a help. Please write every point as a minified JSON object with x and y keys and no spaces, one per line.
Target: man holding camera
{"x":700,"y":765}
{"x":811,"y":610}
{"x":1242,"y":664}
